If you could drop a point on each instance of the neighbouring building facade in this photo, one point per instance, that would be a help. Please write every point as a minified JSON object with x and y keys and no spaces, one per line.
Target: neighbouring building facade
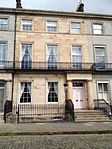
{"x":51,"y":57}
{"x":7,"y":32}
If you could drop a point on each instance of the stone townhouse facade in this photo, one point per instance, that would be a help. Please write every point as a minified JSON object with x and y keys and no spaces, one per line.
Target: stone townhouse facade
{"x":58,"y":56}
{"x":7,"y":32}
{"x":51,"y":41}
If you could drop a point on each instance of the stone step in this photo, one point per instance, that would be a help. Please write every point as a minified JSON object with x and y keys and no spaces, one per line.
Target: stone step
{"x":88,"y":111}
{"x":1,"y":117}
{"x":79,"y":110}
{"x":87,"y":116}
{"x":82,"y":121}
{"x":91,"y":116}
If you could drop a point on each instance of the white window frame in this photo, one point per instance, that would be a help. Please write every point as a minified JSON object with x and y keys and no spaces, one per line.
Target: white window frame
{"x":76,"y":30}
{"x":47,"y":53}
{"x":107,"y":92}
{"x":6,"y":28}
{"x":26,"y":22}
{"x":22,"y":53}
{"x":103,"y":47}
{"x":5,"y":43}
{"x":47,"y":91}
{"x":97,"y":30}
{"x":54,"y":27}
{"x":24,"y":81}
{"x":75,"y":54}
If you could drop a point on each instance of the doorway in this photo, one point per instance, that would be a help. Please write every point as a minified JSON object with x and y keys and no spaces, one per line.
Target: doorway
{"x":79,"y":96}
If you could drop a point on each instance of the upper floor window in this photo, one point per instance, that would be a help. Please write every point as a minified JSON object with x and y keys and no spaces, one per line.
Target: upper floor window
{"x":75,"y":27}
{"x":52,"y":56}
{"x":3,"y":47}
{"x":52,"y":26}
{"x":26,"y":56}
{"x":26,"y":25}
{"x":3,"y":24}
{"x":77,"y":57}
{"x":97,"y":28}
{"x":100,"y":57}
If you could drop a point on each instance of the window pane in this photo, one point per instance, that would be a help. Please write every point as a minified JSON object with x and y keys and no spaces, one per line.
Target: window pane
{"x":26,"y":62}
{"x":53,"y":23}
{"x":75,"y":27}
{"x":77,"y":54}
{"x":105,"y":87}
{"x":100,"y":54}
{"x":26,"y":25}
{"x":97,"y":28}
{"x":2,"y":85}
{"x":53,"y":92}
{"x":76,"y":59}
{"x":3,"y":24}
{"x":100,"y":51}
{"x":100,"y":59}
{"x":51,"y":26}
{"x":77,"y":50}
{"x":2,"y":54}
{"x":25,"y":92}
{"x":77,"y":84}
{"x":100,"y":87}
{"x":97,"y":32}
{"x":52,"y":56}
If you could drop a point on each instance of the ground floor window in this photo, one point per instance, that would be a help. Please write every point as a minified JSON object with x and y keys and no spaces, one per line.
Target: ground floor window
{"x":2,"y":87}
{"x":25,"y":92}
{"x":52,"y":91}
{"x":103,"y":91}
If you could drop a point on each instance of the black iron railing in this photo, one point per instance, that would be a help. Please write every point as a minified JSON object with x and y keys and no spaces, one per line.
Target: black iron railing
{"x":38,"y":113}
{"x":103,"y":105}
{"x":6,"y":65}
{"x":55,"y":66}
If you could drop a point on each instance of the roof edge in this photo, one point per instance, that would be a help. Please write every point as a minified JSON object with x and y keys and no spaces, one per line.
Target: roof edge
{"x":54,"y":13}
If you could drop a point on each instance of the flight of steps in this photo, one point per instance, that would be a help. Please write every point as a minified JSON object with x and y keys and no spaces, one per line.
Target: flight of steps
{"x":91,"y":116}
{"x":1,"y":117}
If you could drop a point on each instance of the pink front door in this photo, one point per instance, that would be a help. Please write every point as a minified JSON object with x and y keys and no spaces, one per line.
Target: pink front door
{"x":79,"y":99}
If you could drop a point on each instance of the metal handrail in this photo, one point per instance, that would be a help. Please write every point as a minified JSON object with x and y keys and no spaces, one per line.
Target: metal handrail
{"x":103,"y":105}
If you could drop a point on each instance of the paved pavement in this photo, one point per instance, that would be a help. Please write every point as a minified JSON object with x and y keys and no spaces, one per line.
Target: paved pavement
{"x":55,"y":128}
{"x":93,"y":141}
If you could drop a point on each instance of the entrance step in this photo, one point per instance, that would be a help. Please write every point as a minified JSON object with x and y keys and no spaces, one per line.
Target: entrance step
{"x":1,"y":117}
{"x":91,"y":116}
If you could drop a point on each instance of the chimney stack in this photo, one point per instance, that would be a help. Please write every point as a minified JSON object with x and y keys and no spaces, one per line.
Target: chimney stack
{"x":18,"y":4}
{"x":80,"y":7}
